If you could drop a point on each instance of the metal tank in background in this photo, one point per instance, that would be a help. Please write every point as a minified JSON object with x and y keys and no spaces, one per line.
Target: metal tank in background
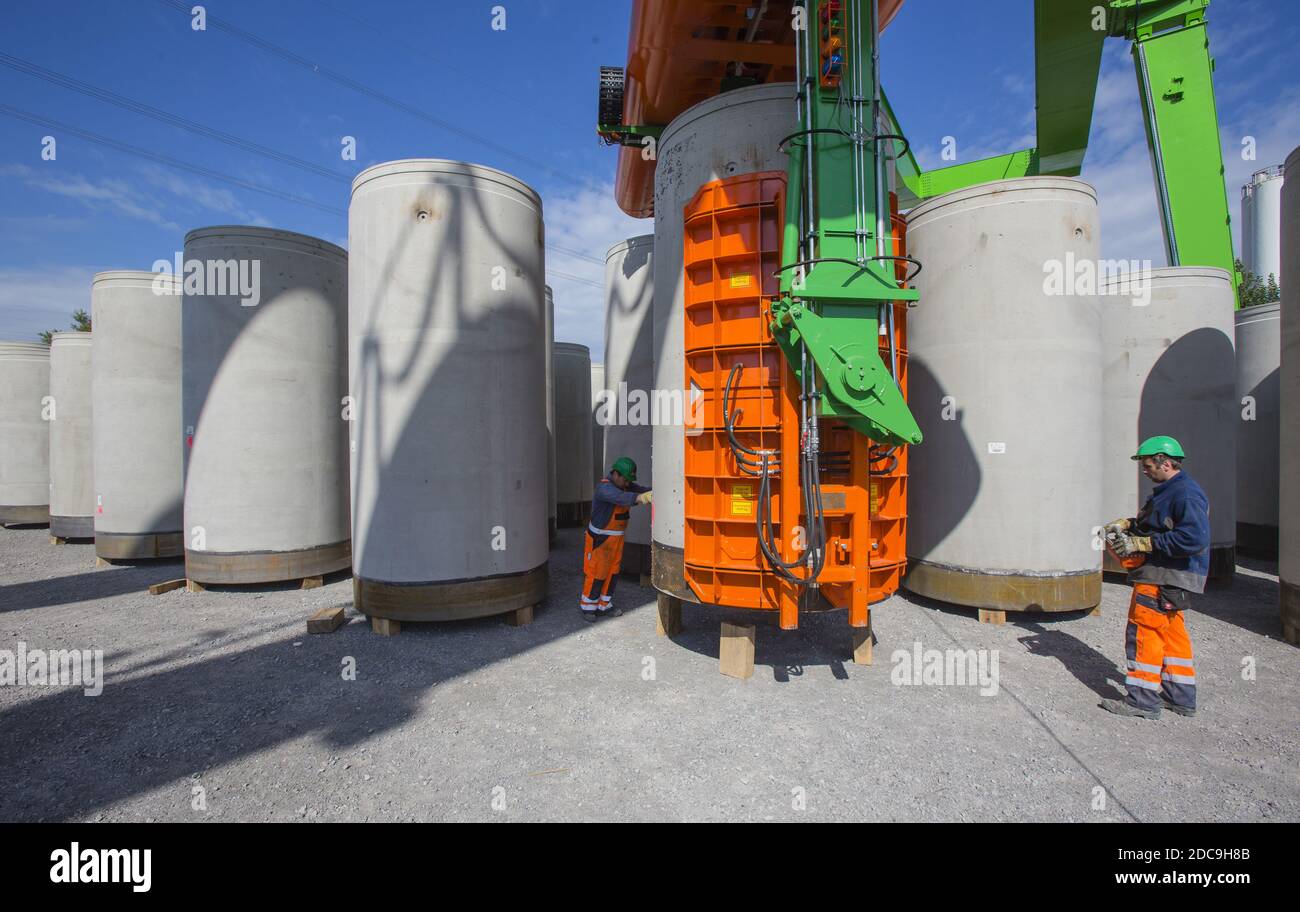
{"x":72,"y":462}
{"x":629,"y":374}
{"x":138,"y":440}
{"x":699,"y":145}
{"x":263,"y":384}
{"x":448,"y":339}
{"x":1170,"y":370}
{"x":573,"y":487}
{"x":1261,"y":222}
{"x":1259,"y":355}
{"x":24,"y":435}
{"x":1288,"y":562}
{"x":1005,"y":382}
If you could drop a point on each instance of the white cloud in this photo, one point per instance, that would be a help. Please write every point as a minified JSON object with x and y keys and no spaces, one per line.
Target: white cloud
{"x":113,"y":194}
{"x":587,"y":222}
{"x":36,"y":299}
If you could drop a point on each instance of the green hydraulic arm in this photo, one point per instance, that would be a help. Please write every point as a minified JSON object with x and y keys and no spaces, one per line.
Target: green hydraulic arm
{"x":838,"y":271}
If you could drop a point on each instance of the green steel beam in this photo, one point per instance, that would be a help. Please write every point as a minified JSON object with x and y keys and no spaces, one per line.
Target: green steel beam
{"x":1068,"y":39}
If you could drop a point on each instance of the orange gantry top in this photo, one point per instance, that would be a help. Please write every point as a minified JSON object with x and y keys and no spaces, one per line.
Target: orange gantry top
{"x":678,"y":53}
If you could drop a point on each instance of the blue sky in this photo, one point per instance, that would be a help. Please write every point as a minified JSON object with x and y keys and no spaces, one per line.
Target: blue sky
{"x":522,"y":99}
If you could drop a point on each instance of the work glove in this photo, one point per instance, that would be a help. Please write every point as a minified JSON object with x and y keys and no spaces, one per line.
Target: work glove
{"x":1127,"y":545}
{"x":1119,"y":525}
{"x":643,"y":498}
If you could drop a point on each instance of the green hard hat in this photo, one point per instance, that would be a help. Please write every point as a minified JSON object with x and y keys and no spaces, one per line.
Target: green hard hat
{"x":625,"y":467}
{"x":1160,"y":446}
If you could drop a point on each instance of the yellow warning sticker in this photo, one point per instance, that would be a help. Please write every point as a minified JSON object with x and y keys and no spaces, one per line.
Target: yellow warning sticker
{"x":741,"y":281}
{"x":742,"y":500}
{"x":875,"y":499}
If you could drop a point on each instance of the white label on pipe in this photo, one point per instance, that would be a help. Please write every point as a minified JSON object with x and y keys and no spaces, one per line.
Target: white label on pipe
{"x":996,"y":449}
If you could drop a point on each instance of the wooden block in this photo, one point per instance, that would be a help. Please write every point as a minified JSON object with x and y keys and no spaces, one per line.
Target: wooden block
{"x":55,"y":540}
{"x":327,"y":620}
{"x":192,"y":586}
{"x":992,"y":617}
{"x":669,"y":621}
{"x":1291,"y":633}
{"x":521,"y":617}
{"x":312,"y":582}
{"x":645,"y":581}
{"x":1095,"y":612}
{"x":160,"y":588}
{"x":861,"y":645}
{"x":385,"y":627}
{"x":736,"y":650}
{"x":100,"y":562}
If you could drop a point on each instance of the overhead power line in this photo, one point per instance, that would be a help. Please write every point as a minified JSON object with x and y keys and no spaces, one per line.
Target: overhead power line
{"x":334,"y":76}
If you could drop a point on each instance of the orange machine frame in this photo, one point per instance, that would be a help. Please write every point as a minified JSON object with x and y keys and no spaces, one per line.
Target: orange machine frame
{"x":732,"y":248}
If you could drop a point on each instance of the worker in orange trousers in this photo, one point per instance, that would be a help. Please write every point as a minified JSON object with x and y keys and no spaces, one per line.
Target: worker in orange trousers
{"x":602,"y":547}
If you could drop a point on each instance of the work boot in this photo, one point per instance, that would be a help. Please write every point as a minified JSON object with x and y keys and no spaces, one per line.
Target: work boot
{"x":588,"y":616}
{"x":1125,"y":708}
{"x":613,"y":611}
{"x":1188,"y":711}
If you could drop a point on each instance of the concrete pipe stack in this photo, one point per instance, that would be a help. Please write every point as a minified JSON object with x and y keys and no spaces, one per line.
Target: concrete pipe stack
{"x":1289,"y":384}
{"x":629,"y":371}
{"x":138,"y":441}
{"x":1259,"y":355}
{"x":72,"y":460}
{"x":698,"y":146}
{"x":24,"y":435}
{"x":448,"y":334}
{"x":264,"y":381}
{"x":573,"y":487}
{"x":1170,"y":370}
{"x":552,"y":523}
{"x":597,"y":429}
{"x":1005,"y":382}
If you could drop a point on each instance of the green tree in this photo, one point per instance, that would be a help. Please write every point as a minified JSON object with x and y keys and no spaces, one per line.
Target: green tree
{"x":1254,"y":290}
{"x":80,"y":323}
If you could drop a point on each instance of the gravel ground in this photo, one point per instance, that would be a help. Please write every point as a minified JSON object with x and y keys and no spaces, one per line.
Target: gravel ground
{"x":219,"y":706}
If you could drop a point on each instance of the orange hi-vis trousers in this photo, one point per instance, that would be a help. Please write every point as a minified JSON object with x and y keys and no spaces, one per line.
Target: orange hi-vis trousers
{"x":602,"y":558}
{"x":1159,"y":651}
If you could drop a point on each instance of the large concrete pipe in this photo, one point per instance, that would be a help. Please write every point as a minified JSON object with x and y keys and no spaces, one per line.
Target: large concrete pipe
{"x":573,"y":487}
{"x":1259,"y":354}
{"x":737,"y":132}
{"x":1005,"y":383}
{"x":552,"y":520}
{"x":24,"y":435}
{"x":629,"y":373}
{"x":597,"y":429}
{"x":138,"y":435}
{"x":1167,"y":341}
{"x":448,"y":344}
{"x":264,"y":381}
{"x":1289,"y":387}
{"x":72,"y":461}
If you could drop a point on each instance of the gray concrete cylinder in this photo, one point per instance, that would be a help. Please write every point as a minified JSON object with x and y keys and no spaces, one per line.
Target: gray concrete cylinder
{"x":1170,"y":370}
{"x":138,"y":434}
{"x":264,"y":381}
{"x":597,"y":429}
{"x":24,"y":435}
{"x":1259,"y":354}
{"x":72,"y":460}
{"x":737,"y":132}
{"x":448,"y":341}
{"x":1005,"y":382}
{"x":573,"y":486}
{"x":1289,"y":391}
{"x":552,"y":522}
{"x":629,"y":372}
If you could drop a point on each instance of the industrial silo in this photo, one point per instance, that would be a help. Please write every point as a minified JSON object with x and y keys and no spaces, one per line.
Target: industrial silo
{"x":1289,"y":385}
{"x":1169,"y":369}
{"x":138,"y":439}
{"x":263,"y":383}
{"x":72,"y":475}
{"x":448,"y":337}
{"x":597,"y":428}
{"x":573,"y":485}
{"x":1261,"y":219}
{"x":1259,"y":354}
{"x":699,"y":145}
{"x":551,"y":511}
{"x":24,"y":435}
{"x":629,"y":373}
{"x":1005,"y":383}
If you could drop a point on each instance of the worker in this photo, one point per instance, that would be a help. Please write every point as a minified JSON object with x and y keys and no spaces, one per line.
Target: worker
{"x":602,"y":550}
{"x":1167,"y":550}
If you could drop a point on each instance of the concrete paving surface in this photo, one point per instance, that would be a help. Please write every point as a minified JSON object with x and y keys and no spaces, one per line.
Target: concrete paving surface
{"x":218,"y":705}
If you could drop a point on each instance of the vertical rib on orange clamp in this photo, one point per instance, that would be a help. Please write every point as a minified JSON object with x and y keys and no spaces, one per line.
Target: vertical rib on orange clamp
{"x":732,"y":240}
